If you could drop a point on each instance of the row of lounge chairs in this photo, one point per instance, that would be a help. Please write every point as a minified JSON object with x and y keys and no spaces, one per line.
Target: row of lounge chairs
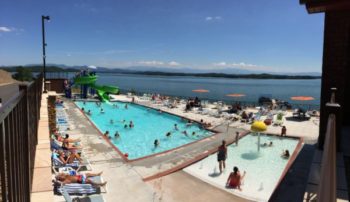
{"x":80,"y":191}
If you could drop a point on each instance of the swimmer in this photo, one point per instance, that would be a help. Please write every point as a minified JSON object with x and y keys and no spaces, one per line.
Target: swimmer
{"x":106,"y":133}
{"x":189,"y":123}
{"x":193,"y":133}
{"x":184,"y":132}
{"x":126,"y":106}
{"x":168,"y":134}
{"x":111,"y":121}
{"x":84,"y":103}
{"x":156,"y":143}
{"x":285,"y":154}
{"x":82,"y":109}
{"x":271,"y":144}
{"x":131,"y":124}
{"x":125,"y":126}
{"x":116,"y":134}
{"x":122,"y":121}
{"x":175,"y":127}
{"x":89,"y":112}
{"x":102,"y":111}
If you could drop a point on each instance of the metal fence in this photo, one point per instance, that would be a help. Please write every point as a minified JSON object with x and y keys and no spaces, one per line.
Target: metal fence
{"x":18,"y":139}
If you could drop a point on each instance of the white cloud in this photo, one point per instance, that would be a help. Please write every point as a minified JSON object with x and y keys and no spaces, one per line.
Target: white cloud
{"x":6,"y":29}
{"x":92,"y":67}
{"x":208,"y":18}
{"x":220,"y":64}
{"x":213,"y":18}
{"x":173,"y":63}
{"x":242,"y":65}
{"x":151,"y":63}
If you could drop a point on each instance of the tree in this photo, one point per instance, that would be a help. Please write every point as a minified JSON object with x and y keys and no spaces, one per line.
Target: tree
{"x":23,"y":74}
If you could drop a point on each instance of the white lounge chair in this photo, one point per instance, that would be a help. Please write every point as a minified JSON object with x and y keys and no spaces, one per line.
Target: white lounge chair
{"x":77,"y":188}
{"x":91,"y":198}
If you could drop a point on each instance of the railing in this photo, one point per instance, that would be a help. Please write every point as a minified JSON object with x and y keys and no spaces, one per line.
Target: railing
{"x":327,"y":185}
{"x":18,"y":139}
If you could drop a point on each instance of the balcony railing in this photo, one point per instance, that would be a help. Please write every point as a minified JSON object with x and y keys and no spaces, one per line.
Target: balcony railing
{"x":19,"y":118}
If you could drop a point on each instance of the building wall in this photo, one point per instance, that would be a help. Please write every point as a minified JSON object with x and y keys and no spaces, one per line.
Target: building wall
{"x":7,"y":91}
{"x":336,"y":69}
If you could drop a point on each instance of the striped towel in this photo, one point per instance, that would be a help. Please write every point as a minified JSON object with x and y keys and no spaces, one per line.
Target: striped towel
{"x":75,"y":188}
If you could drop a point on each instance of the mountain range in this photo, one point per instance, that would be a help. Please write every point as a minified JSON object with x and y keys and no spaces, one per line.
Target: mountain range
{"x":180,"y":70}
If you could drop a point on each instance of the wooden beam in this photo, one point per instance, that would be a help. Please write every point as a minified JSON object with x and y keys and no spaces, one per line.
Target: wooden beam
{"x":325,"y":6}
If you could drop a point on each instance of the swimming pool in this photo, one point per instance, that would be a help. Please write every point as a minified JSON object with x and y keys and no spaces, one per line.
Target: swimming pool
{"x":263,"y":168}
{"x":149,"y":125}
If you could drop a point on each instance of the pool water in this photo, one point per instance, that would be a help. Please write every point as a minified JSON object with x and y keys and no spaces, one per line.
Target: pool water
{"x":149,"y":125}
{"x":263,"y":169}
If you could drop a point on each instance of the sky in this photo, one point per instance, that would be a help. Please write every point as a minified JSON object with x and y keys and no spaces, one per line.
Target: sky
{"x":269,"y":35}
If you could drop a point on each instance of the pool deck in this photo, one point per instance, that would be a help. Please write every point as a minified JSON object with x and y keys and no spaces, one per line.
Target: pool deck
{"x":145,"y":180}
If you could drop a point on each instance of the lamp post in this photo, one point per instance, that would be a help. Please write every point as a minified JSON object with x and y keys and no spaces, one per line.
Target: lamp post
{"x":43,"y":18}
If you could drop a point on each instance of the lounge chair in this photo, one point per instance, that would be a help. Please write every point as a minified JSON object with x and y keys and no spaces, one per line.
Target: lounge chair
{"x":56,"y":145}
{"x":77,"y":188}
{"x":129,"y":95}
{"x":90,"y":198}
{"x":215,"y":114}
{"x":205,"y":112}
{"x":279,"y":120}
{"x":57,"y":164}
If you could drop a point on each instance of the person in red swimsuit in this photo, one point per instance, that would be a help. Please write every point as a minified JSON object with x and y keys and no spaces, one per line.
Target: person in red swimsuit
{"x":235,"y":179}
{"x":80,"y":178}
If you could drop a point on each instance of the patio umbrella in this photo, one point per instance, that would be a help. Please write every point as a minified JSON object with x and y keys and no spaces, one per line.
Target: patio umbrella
{"x":200,"y":91}
{"x":235,"y":95}
{"x":238,"y":95}
{"x":302,"y":98}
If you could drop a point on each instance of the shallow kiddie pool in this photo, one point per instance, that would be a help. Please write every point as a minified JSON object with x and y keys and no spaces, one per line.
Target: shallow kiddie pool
{"x":263,"y":168}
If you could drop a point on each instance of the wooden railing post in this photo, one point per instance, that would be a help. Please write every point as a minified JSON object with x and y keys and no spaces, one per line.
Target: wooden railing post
{"x":26,"y":145}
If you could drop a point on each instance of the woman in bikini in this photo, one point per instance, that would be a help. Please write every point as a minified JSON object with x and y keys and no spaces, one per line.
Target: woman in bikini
{"x":67,"y":146}
{"x":80,"y":178}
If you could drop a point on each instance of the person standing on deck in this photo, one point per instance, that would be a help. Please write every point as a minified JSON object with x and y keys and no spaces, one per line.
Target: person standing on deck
{"x":283,"y":131}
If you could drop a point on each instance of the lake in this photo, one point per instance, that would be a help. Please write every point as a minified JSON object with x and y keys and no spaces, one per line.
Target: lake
{"x":218,"y":87}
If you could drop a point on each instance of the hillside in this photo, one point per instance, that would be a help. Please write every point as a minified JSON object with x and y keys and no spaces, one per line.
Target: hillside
{"x":6,"y":77}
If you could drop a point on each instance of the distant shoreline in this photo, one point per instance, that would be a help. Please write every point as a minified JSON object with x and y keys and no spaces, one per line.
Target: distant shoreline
{"x":159,"y":73}
{"x":221,"y":75}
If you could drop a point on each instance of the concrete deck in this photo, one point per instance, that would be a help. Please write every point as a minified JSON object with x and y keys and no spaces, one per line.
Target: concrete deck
{"x":42,"y":185}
